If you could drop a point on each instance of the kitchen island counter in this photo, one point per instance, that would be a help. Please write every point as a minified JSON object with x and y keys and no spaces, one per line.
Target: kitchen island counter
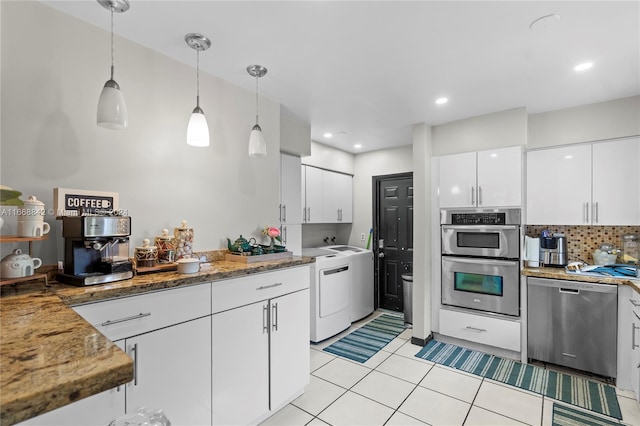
{"x":561,"y":274}
{"x":50,"y":356}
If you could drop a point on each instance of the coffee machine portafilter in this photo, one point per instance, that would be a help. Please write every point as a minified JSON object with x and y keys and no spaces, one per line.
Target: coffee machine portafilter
{"x":96,"y":249}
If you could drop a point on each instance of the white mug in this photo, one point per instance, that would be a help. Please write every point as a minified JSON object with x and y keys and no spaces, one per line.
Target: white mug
{"x":29,"y":228}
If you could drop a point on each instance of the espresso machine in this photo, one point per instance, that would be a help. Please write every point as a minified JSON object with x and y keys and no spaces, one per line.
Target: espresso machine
{"x":96,"y":249}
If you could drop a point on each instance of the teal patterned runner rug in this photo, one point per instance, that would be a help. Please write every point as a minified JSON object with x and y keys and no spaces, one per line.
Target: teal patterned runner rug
{"x":584,"y":393}
{"x":366,"y":341}
{"x":567,"y":416}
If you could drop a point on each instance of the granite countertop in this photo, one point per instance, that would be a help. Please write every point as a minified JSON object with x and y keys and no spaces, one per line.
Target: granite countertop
{"x":50,"y":356}
{"x":561,"y":274}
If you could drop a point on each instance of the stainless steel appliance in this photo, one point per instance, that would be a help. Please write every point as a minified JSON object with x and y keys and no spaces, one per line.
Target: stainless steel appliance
{"x":573,"y":324}
{"x":96,"y":249}
{"x":480,"y":259}
{"x":553,"y":251}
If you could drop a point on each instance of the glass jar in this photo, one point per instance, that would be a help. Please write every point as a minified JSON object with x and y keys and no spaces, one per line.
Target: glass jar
{"x":630,"y":249}
{"x":146,"y":255}
{"x":166,"y":247}
{"x":183,"y":240}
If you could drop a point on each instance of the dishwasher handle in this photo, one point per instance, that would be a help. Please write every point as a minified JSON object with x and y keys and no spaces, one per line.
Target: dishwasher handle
{"x":335,"y":271}
{"x":569,"y":290}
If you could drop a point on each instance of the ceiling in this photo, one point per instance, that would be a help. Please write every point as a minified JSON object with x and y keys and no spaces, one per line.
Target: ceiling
{"x":366,"y":71}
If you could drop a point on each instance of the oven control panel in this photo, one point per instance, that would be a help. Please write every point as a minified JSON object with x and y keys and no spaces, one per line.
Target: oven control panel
{"x":481,"y":217}
{"x":489,"y":218}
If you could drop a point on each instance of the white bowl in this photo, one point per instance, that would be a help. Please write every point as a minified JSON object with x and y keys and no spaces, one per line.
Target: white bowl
{"x":188,"y":265}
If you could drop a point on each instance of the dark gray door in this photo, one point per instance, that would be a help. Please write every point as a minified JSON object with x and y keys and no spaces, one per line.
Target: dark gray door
{"x":393,"y":233}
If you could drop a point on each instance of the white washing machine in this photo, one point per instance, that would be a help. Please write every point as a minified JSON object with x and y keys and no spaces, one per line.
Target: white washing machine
{"x":361,"y":262}
{"x":330,"y":293}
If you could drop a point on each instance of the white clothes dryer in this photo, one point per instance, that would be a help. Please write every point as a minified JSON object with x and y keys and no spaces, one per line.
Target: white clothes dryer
{"x":362,"y":294}
{"x":330,"y":293}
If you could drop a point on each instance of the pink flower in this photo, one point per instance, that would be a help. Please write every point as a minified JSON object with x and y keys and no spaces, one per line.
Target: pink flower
{"x":273,"y":232}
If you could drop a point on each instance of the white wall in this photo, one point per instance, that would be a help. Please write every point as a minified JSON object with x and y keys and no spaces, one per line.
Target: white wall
{"x":329,"y":158}
{"x":496,"y":130}
{"x":53,"y":68}
{"x":604,"y":120}
{"x":367,"y":165}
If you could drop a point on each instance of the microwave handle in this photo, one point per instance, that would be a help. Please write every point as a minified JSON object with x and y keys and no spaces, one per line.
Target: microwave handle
{"x":483,"y":261}
{"x":480,"y":227}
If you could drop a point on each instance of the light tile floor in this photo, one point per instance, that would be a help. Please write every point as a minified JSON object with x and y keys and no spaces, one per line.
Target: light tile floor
{"x":395,"y":388}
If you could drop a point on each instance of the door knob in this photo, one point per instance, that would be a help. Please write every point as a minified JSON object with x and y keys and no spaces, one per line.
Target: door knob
{"x":381,"y":254}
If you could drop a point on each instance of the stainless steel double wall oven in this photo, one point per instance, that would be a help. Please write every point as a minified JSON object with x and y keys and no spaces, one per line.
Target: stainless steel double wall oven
{"x":481,"y":259}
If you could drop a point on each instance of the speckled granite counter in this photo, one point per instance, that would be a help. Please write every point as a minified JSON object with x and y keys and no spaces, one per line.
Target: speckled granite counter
{"x":561,"y":274}
{"x":51,"y":357}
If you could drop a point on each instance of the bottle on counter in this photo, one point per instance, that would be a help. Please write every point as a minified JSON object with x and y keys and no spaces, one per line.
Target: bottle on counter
{"x":183,"y":241}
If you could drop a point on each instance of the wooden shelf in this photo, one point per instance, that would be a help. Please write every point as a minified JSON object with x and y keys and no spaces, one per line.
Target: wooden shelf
{"x":34,"y":277}
{"x":16,"y":239}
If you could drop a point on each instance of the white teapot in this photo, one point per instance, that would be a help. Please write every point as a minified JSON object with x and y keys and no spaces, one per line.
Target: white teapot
{"x":18,"y":265}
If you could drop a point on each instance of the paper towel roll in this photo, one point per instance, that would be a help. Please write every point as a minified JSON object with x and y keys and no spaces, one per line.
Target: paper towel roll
{"x":532,"y":251}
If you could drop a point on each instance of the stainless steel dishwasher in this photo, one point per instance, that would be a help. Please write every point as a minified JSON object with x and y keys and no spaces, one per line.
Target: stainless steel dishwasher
{"x":573,"y":324}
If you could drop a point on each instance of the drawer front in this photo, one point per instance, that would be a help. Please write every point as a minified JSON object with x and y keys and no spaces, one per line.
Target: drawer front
{"x":130,"y":316}
{"x":481,"y":329}
{"x":235,"y":292}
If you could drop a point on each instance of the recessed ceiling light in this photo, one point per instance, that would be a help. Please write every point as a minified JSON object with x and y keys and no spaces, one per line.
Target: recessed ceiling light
{"x":328,"y":135}
{"x":583,"y":66}
{"x":441,"y":101}
{"x":357,"y":146}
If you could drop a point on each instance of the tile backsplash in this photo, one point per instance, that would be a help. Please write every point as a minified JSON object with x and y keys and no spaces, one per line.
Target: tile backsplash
{"x":583,"y":240}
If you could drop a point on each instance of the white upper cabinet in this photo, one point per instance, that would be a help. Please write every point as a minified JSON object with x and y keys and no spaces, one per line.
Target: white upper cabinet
{"x":559,"y":185}
{"x":590,"y":184}
{"x":327,"y":196}
{"x":338,"y":197}
{"x":491,"y":178}
{"x":314,"y":199}
{"x":616,"y":183}
{"x":290,"y":190}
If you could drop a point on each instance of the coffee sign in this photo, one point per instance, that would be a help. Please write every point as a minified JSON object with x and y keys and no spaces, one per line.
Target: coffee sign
{"x":72,"y":202}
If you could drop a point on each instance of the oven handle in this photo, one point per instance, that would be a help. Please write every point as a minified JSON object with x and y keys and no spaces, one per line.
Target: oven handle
{"x":480,"y":227}
{"x":483,"y":261}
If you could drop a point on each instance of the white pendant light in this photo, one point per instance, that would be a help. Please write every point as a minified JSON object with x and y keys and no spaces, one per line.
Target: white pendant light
{"x":112,"y":111}
{"x":197,"y":130}
{"x":257,"y":144}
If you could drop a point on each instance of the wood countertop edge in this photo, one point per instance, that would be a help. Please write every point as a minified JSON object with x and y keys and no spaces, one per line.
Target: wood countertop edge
{"x":64,"y":358}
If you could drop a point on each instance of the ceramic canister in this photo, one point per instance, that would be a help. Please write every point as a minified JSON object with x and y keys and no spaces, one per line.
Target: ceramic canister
{"x":33,"y":210}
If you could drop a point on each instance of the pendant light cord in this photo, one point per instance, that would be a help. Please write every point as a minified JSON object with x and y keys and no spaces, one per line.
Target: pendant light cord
{"x":111,"y":42}
{"x":198,"y":78}
{"x":257,"y":105}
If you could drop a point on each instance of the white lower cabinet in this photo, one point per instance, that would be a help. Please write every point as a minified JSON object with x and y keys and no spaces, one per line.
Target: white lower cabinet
{"x":497,"y":332}
{"x":172,"y":371}
{"x":628,"y":375}
{"x":96,"y":410}
{"x":261,"y":349}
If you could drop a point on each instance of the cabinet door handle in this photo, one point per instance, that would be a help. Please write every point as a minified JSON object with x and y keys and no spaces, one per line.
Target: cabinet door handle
{"x":480,"y":330}
{"x":585,"y":214}
{"x":132,"y":317}
{"x":479,"y":195}
{"x":569,"y":355}
{"x":284,"y":213}
{"x":264,"y":287}
{"x":274,"y":320}
{"x":279,"y":212}
{"x":634,"y":303}
{"x":473,"y":198}
{"x":284,"y":235}
{"x":594,"y":215}
{"x":133,"y":353}
{"x":309,"y":214}
{"x":633,"y":336}
{"x":265,"y":319}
